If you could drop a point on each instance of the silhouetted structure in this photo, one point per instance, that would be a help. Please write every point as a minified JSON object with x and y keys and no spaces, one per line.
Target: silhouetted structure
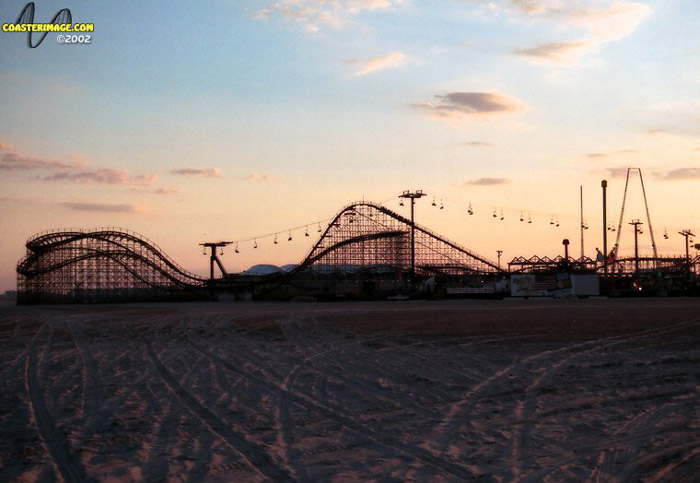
{"x":102,"y":265}
{"x":365,"y":236}
{"x":366,"y":251}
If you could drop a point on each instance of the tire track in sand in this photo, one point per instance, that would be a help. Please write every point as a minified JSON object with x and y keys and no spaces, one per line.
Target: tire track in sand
{"x":90,"y":405}
{"x":605,"y":463}
{"x":251,"y":452}
{"x":445,"y":431}
{"x":334,"y":414}
{"x":67,"y":466}
{"x":522,"y":423}
{"x":342,"y":357}
{"x":676,"y":456}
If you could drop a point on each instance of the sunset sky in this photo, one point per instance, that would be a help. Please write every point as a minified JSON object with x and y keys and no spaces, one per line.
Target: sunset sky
{"x":222,"y":119}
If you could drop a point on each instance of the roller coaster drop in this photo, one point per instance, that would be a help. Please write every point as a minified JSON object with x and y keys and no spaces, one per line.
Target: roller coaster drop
{"x":110,"y":264}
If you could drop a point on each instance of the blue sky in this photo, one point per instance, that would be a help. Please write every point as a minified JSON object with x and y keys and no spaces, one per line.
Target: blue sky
{"x":233,"y":119}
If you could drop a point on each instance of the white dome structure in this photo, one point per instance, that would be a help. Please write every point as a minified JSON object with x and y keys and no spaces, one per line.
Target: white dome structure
{"x":262,"y":269}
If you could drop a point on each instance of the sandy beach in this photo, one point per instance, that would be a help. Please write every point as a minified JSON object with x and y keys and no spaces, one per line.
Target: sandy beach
{"x":512,"y":390}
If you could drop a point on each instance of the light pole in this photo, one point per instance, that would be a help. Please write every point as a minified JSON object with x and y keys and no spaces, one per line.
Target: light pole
{"x":413,"y":196}
{"x":604,"y":185}
{"x":499,"y":253}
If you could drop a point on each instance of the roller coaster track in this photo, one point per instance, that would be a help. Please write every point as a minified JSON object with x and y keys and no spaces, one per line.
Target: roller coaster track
{"x":322,"y":252}
{"x":376,"y":222}
{"x":63,"y":261}
{"x":112,"y":262}
{"x":49,"y":240}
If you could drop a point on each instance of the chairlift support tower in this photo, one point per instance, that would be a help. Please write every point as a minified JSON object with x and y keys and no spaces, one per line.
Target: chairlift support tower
{"x":214,"y":258}
{"x":413,"y":196}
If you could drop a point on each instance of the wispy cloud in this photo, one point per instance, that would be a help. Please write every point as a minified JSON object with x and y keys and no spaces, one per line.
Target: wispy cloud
{"x":605,"y":24}
{"x":486,"y":182}
{"x":259,"y":177}
{"x":476,"y":104}
{"x":392,"y":59}
{"x":166,"y":191}
{"x":204,"y":172}
{"x":313,"y":15}
{"x":529,"y":6}
{"x":13,"y":161}
{"x":680,"y":174}
{"x":478,"y":144}
{"x":554,"y":51}
{"x":155,"y":191}
{"x":600,"y":23}
{"x":71,"y":168}
{"x":610,"y":154}
{"x":617,"y":172}
{"x":103,"y":176}
{"x":19,"y":200}
{"x":104,"y":207}
{"x":80,"y":158}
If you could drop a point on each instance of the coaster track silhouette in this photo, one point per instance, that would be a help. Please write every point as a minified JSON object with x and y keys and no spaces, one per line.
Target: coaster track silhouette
{"x":113,"y":264}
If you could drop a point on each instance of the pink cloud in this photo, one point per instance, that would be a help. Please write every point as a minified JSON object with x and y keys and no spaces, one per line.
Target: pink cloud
{"x":104,"y":207}
{"x":479,"y":144}
{"x":22,"y":162}
{"x":392,"y":59}
{"x":18,"y":199}
{"x":103,"y":176}
{"x":259,"y":177}
{"x":612,"y":153}
{"x":204,"y":172}
{"x":315,"y":14}
{"x":487,"y":181}
{"x":617,"y":172}
{"x":553,"y":51}
{"x":476,"y":104}
{"x":80,"y":158}
{"x":680,"y":174}
{"x":165,"y":191}
{"x":602,"y":24}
